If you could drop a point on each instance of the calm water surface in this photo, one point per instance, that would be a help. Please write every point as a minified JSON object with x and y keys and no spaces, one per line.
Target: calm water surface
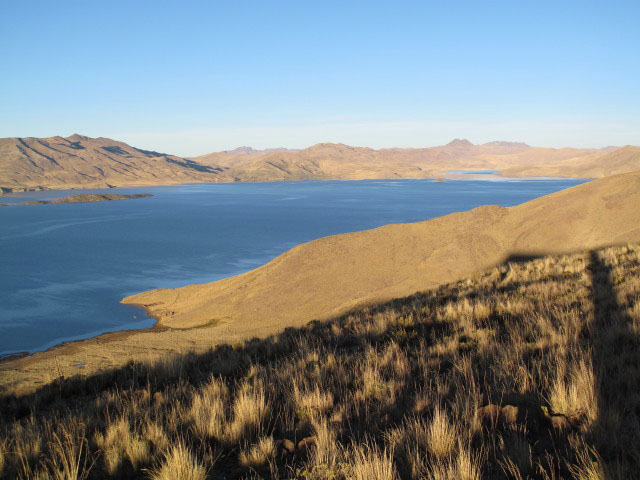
{"x":65,"y":267}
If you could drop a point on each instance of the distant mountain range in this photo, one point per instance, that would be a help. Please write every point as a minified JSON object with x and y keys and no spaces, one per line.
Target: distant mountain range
{"x":83,"y":162}
{"x":252,"y":151}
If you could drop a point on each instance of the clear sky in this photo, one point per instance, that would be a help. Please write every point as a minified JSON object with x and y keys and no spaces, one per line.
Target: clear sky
{"x":193,"y":77}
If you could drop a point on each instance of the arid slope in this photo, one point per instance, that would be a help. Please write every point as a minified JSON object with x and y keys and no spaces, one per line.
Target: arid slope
{"x":620,"y":160}
{"x":529,"y":370}
{"x":326,"y":277}
{"x":338,"y":161}
{"x":83,"y":162}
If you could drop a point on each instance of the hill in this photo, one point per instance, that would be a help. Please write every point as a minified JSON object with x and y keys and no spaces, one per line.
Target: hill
{"x":83,"y":162}
{"x":78,"y":161}
{"x":619,"y":160}
{"x":338,"y":161}
{"x":329,"y":276}
{"x":527,"y":370}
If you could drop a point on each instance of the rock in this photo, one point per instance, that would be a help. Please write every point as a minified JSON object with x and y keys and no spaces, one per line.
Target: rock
{"x":492,"y":416}
{"x":306,"y":443}
{"x":488,"y":415}
{"x":286,"y":447}
{"x":561,"y":424}
{"x":534,"y":418}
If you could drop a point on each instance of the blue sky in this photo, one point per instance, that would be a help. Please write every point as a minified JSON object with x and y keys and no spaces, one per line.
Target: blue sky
{"x":193,"y":77}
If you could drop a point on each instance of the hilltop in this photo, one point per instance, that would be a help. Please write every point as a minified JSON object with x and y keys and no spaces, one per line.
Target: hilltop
{"x":527,"y":370}
{"x":83,"y":162}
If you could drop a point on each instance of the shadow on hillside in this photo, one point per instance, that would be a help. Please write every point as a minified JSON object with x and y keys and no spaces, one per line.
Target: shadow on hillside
{"x":517,"y":257}
{"x":223,"y":360}
{"x":615,"y":359}
{"x":228,"y":361}
{"x":195,"y":165}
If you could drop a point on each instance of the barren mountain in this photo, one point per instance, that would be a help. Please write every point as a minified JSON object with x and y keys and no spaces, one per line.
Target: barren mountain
{"x":597,"y":165}
{"x":338,"y":161}
{"x":78,"y":161}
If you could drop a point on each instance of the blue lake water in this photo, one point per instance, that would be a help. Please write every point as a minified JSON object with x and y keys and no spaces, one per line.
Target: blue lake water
{"x":65,"y":267}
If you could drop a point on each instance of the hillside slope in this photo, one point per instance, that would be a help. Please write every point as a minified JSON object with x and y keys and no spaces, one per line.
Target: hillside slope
{"x":83,"y":162}
{"x":621,"y":160}
{"x":527,"y":370}
{"x":326,"y":277}
{"x":338,"y":161}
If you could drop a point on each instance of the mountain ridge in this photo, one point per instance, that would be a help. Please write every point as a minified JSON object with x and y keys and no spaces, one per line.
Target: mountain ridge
{"x":79,"y":161}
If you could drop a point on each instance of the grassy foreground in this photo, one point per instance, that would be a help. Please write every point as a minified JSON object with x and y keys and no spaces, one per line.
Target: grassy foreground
{"x":530,"y":370}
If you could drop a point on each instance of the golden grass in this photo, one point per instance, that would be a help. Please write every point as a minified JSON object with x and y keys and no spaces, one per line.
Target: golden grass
{"x":388,"y":391}
{"x":259,"y":454}
{"x":441,"y":435}
{"x":179,"y":464}
{"x":366,"y":463}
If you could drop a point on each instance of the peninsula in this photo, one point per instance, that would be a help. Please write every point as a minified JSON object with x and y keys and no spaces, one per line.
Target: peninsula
{"x":89,"y":197}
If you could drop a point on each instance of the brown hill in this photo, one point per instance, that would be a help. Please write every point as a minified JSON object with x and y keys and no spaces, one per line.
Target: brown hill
{"x":607,"y":163}
{"x":338,"y":161}
{"x":78,"y":161}
{"x":326,"y":277}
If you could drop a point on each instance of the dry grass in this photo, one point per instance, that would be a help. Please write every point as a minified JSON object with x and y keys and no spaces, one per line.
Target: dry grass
{"x":259,"y":454}
{"x":368,"y":463}
{"x":388,"y":391}
{"x":441,"y":435}
{"x":179,"y":464}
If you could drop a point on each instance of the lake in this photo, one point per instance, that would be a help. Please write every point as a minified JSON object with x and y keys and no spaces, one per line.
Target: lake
{"x":65,"y":267}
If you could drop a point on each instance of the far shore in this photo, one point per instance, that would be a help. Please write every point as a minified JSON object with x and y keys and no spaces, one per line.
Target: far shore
{"x":7,"y":192}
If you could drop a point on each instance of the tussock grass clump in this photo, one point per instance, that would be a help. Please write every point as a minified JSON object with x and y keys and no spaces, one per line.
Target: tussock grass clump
{"x":208,"y":412}
{"x":180,"y":464}
{"x":366,"y":462}
{"x":259,"y":454}
{"x":530,"y":370}
{"x":441,"y":435}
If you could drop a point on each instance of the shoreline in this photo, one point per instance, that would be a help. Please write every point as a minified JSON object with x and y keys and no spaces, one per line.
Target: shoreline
{"x":156,"y":327}
{"x":444,"y":174}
